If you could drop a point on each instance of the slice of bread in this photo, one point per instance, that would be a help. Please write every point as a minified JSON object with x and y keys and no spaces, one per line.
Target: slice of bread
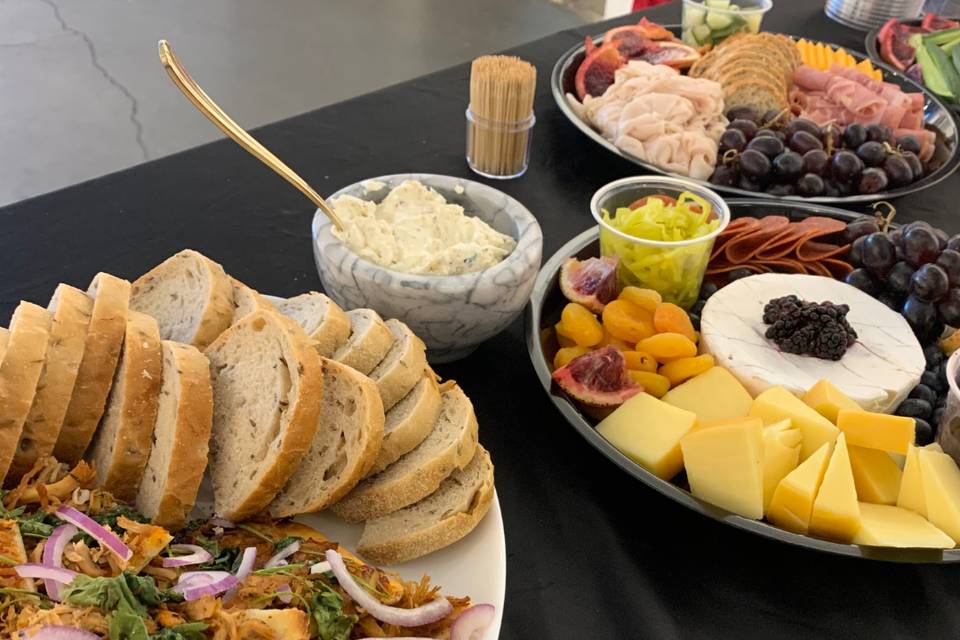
{"x":445,"y":516}
{"x":419,"y":473}
{"x":4,"y":336}
{"x":178,"y":456}
{"x":409,"y":422}
{"x":71,"y":309}
{"x":267,"y":386}
{"x":349,"y":433}
{"x":402,"y":367}
{"x":19,"y":374}
{"x":121,"y":446}
{"x":101,"y":351}
{"x":190,"y":296}
{"x":325,"y":322}
{"x":369,"y":342}
{"x":754,"y":93}
{"x":246,"y":301}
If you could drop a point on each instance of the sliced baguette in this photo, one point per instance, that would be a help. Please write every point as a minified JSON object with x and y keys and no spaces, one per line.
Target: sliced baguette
{"x":181,"y":435}
{"x":101,"y":351}
{"x":403,"y":365}
{"x":71,"y":309}
{"x":369,"y":341}
{"x":19,"y":373}
{"x":246,"y":301}
{"x":409,"y":421}
{"x":445,"y":516}
{"x":121,"y":446}
{"x":267,"y":385}
{"x":4,"y":336}
{"x":325,"y":322}
{"x":419,"y":473}
{"x":349,"y":433}
{"x":190,"y":296}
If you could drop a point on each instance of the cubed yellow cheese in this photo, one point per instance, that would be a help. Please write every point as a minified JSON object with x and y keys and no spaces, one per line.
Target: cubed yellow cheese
{"x":910,"y":495}
{"x":781,"y":454}
{"x":877,"y":430}
{"x":876,"y":475}
{"x":713,"y":395}
{"x":836,"y":515}
{"x":827,"y":400}
{"x":941,"y":491}
{"x":724,"y":465}
{"x":648,"y":431}
{"x":882,"y":525}
{"x":793,"y":498}
{"x":776,"y":403}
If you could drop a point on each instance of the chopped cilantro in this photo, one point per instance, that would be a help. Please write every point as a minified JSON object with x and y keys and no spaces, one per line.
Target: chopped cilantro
{"x":327,"y":616}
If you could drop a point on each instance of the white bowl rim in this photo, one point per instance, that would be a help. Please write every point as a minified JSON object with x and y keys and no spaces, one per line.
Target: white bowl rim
{"x":322,"y":224}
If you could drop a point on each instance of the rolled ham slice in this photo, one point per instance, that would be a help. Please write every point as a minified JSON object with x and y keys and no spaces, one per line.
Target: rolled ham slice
{"x":867,"y":106}
{"x":810,"y":79}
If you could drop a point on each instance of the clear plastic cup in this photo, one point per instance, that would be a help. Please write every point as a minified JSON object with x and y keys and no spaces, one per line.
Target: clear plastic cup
{"x":498,"y":149}
{"x":948,"y":432}
{"x":675,"y":269}
{"x":711,"y":21}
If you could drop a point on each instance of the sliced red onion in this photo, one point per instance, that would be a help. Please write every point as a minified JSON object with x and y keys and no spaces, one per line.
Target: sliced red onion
{"x":53,"y":555}
{"x":59,"y":632}
{"x":99,"y":533}
{"x":246,"y":566}
{"x":430,"y":612}
{"x":59,"y":574}
{"x":320,"y":567}
{"x":222,"y":523}
{"x":196,"y":555}
{"x":473,"y":623}
{"x":196,"y":584}
{"x":282,"y":555}
{"x":285,"y":597}
{"x":400,"y":638}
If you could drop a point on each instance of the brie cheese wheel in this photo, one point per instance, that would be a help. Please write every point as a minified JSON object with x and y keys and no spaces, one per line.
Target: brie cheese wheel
{"x":877,"y":372}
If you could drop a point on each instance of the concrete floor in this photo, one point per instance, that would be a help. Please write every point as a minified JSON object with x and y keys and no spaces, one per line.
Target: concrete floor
{"x":82,"y":92}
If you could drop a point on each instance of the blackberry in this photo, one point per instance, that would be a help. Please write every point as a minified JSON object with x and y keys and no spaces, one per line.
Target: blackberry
{"x":809,"y":328}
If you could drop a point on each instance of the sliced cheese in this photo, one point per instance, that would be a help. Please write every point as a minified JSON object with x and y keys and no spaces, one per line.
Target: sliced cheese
{"x":648,"y":431}
{"x":827,"y":400}
{"x":776,"y":404}
{"x":781,"y":455}
{"x":910,"y":495}
{"x":713,"y":395}
{"x":724,"y":465}
{"x":836,"y":514}
{"x":877,"y":371}
{"x":885,"y":526}
{"x":792,"y":501}
{"x":941,"y":491}
{"x":877,"y":430}
{"x":876,"y":475}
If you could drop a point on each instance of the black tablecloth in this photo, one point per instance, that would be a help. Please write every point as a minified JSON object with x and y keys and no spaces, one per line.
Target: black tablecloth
{"x":591,"y":552}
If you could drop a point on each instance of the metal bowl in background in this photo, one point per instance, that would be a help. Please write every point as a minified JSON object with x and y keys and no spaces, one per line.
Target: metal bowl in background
{"x":937,"y":116}
{"x":867,"y":14}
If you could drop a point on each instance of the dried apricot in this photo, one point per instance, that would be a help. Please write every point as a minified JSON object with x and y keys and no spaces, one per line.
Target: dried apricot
{"x":683,"y":369}
{"x":617,"y":343}
{"x":640,"y":361}
{"x":581,"y":325}
{"x":627,"y":321}
{"x":669,"y":318}
{"x":565,"y":355}
{"x":653,"y":383}
{"x":668,"y":346}
{"x":646,"y":299}
{"x":562,"y":338}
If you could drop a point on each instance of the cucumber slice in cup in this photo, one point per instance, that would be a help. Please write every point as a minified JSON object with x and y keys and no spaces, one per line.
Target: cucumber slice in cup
{"x":701,"y":33}
{"x":716,"y":20}
{"x":717,"y":4}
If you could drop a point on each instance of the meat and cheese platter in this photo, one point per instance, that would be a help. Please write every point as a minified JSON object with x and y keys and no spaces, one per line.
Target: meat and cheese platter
{"x":758,"y":113}
{"x":799,"y":395}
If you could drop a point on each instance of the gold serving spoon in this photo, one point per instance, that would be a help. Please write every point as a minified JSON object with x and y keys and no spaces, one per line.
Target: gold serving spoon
{"x":225,"y":123}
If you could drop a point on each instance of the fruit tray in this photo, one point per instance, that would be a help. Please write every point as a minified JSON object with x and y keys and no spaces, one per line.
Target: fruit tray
{"x":546,"y":303}
{"x":937,"y":115}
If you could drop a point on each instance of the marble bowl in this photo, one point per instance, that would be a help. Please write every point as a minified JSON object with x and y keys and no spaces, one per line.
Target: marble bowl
{"x":451,"y":314}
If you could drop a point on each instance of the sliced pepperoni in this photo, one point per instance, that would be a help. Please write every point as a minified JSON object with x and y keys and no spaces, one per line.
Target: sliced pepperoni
{"x":784,"y":265}
{"x":784,"y":244}
{"x":813,"y":251}
{"x":745,"y":247}
{"x":837,"y":268}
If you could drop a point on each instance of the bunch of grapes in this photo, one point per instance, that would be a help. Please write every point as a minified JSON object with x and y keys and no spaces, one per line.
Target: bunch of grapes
{"x":914,"y":269}
{"x":782,"y":155}
{"x":927,"y":400}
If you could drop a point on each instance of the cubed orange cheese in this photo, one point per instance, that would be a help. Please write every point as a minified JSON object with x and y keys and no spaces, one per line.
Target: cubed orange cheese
{"x":836,"y":515}
{"x":724,"y":465}
{"x":792,"y":501}
{"x":781,"y":454}
{"x":713,"y":395}
{"x":776,"y":403}
{"x":885,"y":526}
{"x":877,"y":430}
{"x":648,"y":431}
{"x":876,"y":475}
{"x":910,"y":495}
{"x":827,"y":400}
{"x":941,"y":491}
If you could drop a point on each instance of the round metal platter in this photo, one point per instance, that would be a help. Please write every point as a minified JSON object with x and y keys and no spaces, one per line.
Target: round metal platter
{"x":937,"y":117}
{"x":543,"y":312}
